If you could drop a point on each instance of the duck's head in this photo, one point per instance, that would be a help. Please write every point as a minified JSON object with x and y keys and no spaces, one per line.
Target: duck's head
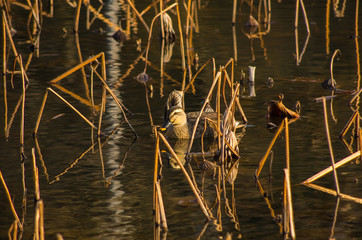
{"x":176,"y":117}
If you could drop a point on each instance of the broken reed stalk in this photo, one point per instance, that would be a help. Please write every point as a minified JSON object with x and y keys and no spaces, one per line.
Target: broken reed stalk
{"x":71,"y":106}
{"x":289,"y":204}
{"x":262,"y":161}
{"x":193,"y":187}
{"x":235,"y":44}
{"x":216,"y":79}
{"x":39,"y":221}
{"x":330,"y":145}
{"x":330,"y":168}
{"x":234,"y":13}
{"x":150,"y":33}
{"x":252,"y":81}
{"x":77,"y":13}
{"x":139,"y":16}
{"x":11,"y":202}
{"x":162,"y":208}
{"x":182,"y":47}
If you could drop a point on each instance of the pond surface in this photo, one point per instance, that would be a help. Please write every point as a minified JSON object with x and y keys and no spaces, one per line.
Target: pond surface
{"x":80,"y":204}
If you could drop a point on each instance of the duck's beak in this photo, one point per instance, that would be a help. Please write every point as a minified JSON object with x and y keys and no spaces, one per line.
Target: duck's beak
{"x":165,"y":125}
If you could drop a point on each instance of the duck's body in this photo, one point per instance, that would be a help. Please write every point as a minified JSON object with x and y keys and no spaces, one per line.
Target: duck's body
{"x":180,"y":125}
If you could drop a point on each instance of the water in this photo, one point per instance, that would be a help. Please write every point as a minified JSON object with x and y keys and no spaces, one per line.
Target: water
{"x":78,"y":203}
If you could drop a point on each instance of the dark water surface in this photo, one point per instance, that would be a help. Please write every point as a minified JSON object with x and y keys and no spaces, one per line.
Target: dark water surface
{"x":79,"y":205}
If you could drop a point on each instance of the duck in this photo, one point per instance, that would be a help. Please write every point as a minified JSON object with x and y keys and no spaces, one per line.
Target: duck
{"x":179,"y":125}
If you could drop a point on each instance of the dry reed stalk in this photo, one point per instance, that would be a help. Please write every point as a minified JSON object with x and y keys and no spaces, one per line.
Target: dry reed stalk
{"x":193,"y":187}
{"x":9,"y":33}
{"x":234,"y":13}
{"x":328,"y":10}
{"x":162,"y":27}
{"x":188,"y":18}
{"x":196,"y":22}
{"x":76,"y":97}
{"x":40,"y":113}
{"x":334,"y":193}
{"x":7,"y":133}
{"x":101,"y":17}
{"x":118,"y":102}
{"x":349,"y":123}
{"x":4,"y":75}
{"x":150,"y":32}
{"x":162,"y":53}
{"x":4,"y":45}
{"x":155,"y":170}
{"x":182,"y":47}
{"x":35,"y":177}
{"x":101,"y":158}
{"x":216,"y":79}
{"x":139,"y":15}
{"x":197,"y":73}
{"x":77,"y":13}
{"x":245,"y":120}
{"x":39,"y":220}
{"x":72,"y":70}
{"x":285,"y":209}
{"x":262,"y":161}
{"x":86,"y":88}
{"x":287,"y":157}
{"x":235,"y":44}
{"x":35,"y":13}
{"x":162,"y":208}
{"x":14,"y":230}
{"x":103,"y":107}
{"x":330,"y":168}
{"x":290,"y":204}
{"x":10,"y":202}
{"x":153,"y":4}
{"x":330,"y":145}
{"x":72,"y":107}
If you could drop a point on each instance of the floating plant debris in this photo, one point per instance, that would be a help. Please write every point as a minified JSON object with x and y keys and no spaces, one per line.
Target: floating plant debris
{"x":143,"y":77}
{"x":276,"y":108}
{"x":119,"y":36}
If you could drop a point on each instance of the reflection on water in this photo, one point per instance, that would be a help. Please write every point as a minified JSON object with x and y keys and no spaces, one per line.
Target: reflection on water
{"x":93,"y":193}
